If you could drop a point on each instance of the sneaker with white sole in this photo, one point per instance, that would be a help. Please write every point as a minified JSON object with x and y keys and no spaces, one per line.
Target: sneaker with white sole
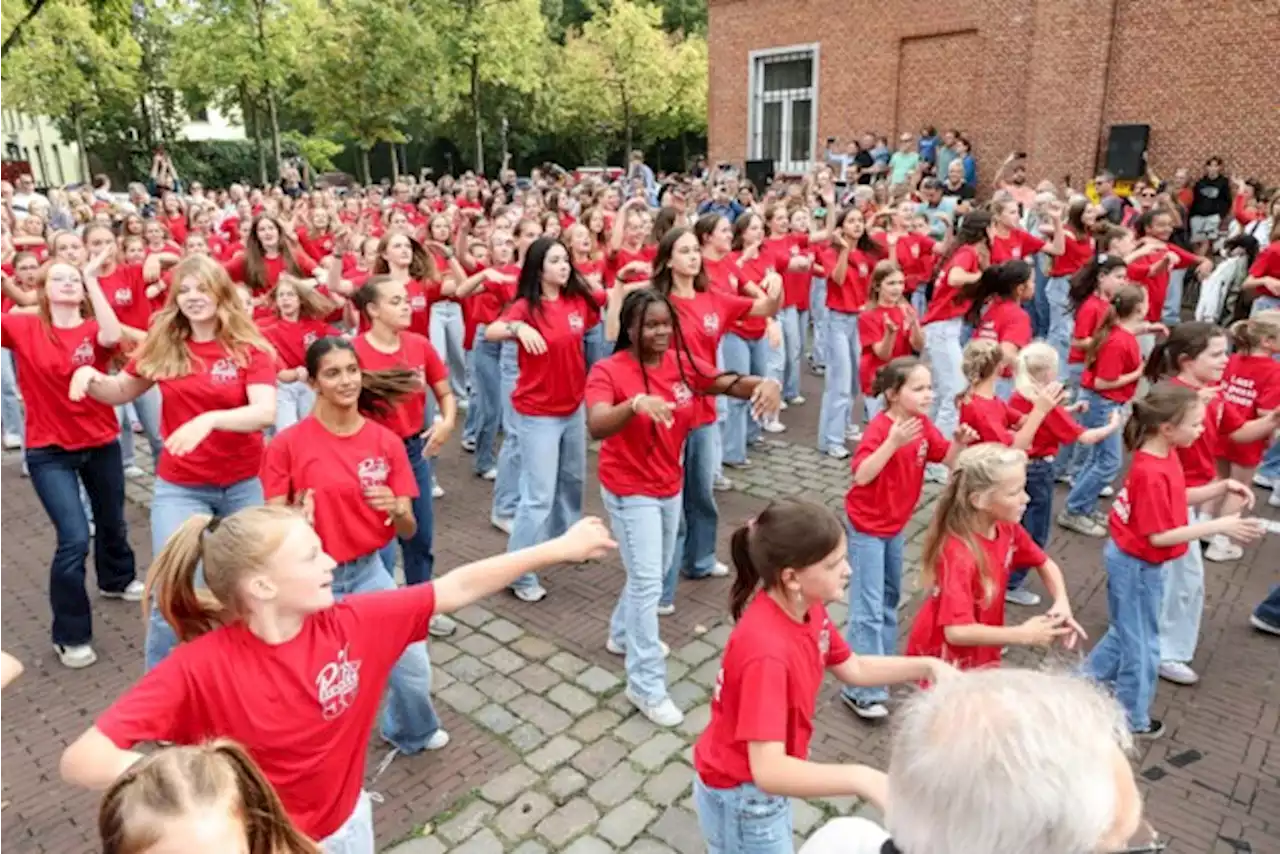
{"x":615,"y":648}
{"x":1178,"y":673}
{"x":1107,"y":492}
{"x":722,"y":484}
{"x":469,"y":445}
{"x":853,"y":433}
{"x":837,"y":452}
{"x":1263,"y":625}
{"x":774,"y":426}
{"x":662,"y":713}
{"x":1222,"y":550}
{"x":666,"y":610}
{"x":133,"y":471}
{"x":864,"y":710}
{"x":132,"y":593}
{"x":743,"y":464}
{"x":1155,"y":729}
{"x":442,"y":626}
{"x":1274,"y":500}
{"x":530,"y":593}
{"x":77,"y":656}
{"x":1022,"y":596}
{"x":503,"y":525}
{"x":1258,"y":480}
{"x":437,"y":491}
{"x":491,"y":475}
{"x":12,"y":442}
{"x":798,"y":400}
{"x":718,"y":570}
{"x":438,"y":739}
{"x":1081,"y":525}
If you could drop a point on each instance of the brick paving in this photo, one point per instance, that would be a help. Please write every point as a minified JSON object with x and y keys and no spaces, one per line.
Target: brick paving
{"x":547,"y":755}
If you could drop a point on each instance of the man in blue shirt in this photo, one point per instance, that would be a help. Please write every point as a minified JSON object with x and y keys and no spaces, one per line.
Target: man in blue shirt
{"x":939,"y":209}
{"x":721,"y":203}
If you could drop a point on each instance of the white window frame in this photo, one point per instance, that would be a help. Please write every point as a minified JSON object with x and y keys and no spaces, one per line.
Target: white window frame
{"x":756,"y":60}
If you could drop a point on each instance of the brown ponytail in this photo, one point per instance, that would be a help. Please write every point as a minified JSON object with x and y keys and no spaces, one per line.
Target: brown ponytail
{"x":1247,"y":335}
{"x":1165,"y":403}
{"x":1125,"y":302}
{"x":1185,"y":341}
{"x":793,"y":534}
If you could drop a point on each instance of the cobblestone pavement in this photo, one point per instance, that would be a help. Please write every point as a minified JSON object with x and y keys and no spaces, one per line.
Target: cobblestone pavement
{"x":547,"y":755}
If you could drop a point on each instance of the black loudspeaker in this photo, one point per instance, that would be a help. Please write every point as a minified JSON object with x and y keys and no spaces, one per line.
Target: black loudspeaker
{"x":1126,"y":151}
{"x":760,"y":173}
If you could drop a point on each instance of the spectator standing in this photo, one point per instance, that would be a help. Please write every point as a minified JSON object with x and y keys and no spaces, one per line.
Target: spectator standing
{"x":1210,"y":202}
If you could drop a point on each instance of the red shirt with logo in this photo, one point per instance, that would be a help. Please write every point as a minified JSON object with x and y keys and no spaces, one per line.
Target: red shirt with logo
{"x":553,"y":383}
{"x":1076,"y":252}
{"x":45,"y":357}
{"x":291,"y":338}
{"x":770,"y":656}
{"x":622,"y":257}
{"x":883,"y":507}
{"x":947,"y":302}
{"x":303,"y":709}
{"x":960,"y":597}
{"x":126,"y":290}
{"x":318,"y":246}
{"x":849,"y":294}
{"x":274,"y":267}
{"x":1019,"y":245}
{"x":219,"y":380}
{"x":1088,"y":318}
{"x":871,"y":327}
{"x":1141,"y":272}
{"x":1251,"y":387}
{"x":1057,"y":429}
{"x":408,"y":417}
{"x":913,"y":254}
{"x":336,"y":470}
{"x":1154,"y":499}
{"x":1199,"y":459}
{"x":704,"y":319}
{"x":1118,"y":355}
{"x":722,"y":273}
{"x":796,"y":284}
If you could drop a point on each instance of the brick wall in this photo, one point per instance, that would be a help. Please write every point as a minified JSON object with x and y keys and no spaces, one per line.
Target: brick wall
{"x":1044,"y":76}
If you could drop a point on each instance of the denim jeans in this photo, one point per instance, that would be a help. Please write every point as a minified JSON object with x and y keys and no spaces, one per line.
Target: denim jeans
{"x":695,"y":546}
{"x":57,"y":475}
{"x":1183,"y":603}
{"x":818,"y":313}
{"x":554,"y":454}
{"x":293,"y":403}
{"x":171,"y":505}
{"x":743,"y":820}
{"x":11,"y":409}
{"x":408,"y":718}
{"x":794,"y":325}
{"x":356,"y":834}
{"x":1071,"y":457}
{"x":1269,"y":609}
{"x":469,"y":423}
{"x":593,"y":345}
{"x":872,"y":406}
{"x":874,"y":592}
{"x":1038,"y":516}
{"x":1171,"y":313}
{"x":1061,"y":319}
{"x":486,"y":400}
{"x":1264,"y":303}
{"x":747,"y":357}
{"x":1102,"y":461}
{"x":942,"y":344}
{"x":506,"y":489}
{"x":147,"y":407}
{"x":645,"y":528}
{"x":1037,"y":308}
{"x":1270,"y":465}
{"x":419,"y":559}
{"x":1128,"y":655}
{"x":1004,"y":388}
{"x":841,"y":388}
{"x":446,"y":331}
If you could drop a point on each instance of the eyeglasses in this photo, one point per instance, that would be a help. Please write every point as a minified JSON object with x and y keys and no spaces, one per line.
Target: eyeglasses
{"x":1147,"y":195}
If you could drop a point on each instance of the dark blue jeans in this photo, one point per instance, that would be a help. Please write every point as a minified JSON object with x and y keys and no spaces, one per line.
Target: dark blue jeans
{"x":419,"y":560}
{"x":1269,"y":609}
{"x":56,"y":475}
{"x":1039,"y":513}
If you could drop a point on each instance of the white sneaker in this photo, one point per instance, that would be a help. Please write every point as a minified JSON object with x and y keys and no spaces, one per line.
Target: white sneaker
{"x":438,"y":740}
{"x":1258,"y":479}
{"x":133,"y":471}
{"x":491,"y":475}
{"x":442,"y":626}
{"x":838,"y":452}
{"x":666,"y":610}
{"x":798,"y":400}
{"x":663,"y":713}
{"x":773,"y":426}
{"x":853,"y":433}
{"x":1274,"y":500}
{"x":1107,"y":492}
{"x":132,"y":593}
{"x":720,"y":570}
{"x":469,"y":445}
{"x":618,"y":649}
{"x":76,"y":657}
{"x":1178,"y":673}
{"x":503,"y":525}
{"x":12,"y":442}
{"x":722,"y":484}
{"x":437,"y":491}
{"x":866,"y":711}
{"x":1022,"y":596}
{"x":1222,"y":550}
{"x":532,"y":593}
{"x":782,"y":407}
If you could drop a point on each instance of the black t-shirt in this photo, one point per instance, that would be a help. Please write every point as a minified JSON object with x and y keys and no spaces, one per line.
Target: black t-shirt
{"x":864,"y":160}
{"x":964,"y":192}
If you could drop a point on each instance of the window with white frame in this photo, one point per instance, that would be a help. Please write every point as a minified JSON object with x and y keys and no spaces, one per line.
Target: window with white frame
{"x":782,"y":115}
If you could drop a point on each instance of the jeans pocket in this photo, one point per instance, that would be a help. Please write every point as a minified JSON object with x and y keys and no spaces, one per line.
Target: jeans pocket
{"x":765,"y":823}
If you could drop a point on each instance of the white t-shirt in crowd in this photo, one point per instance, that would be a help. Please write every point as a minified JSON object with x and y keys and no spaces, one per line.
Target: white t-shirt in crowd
{"x":846,"y":836}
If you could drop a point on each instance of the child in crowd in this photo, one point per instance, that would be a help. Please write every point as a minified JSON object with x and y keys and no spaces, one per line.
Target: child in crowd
{"x":886,"y":331}
{"x":996,"y":313}
{"x":986,"y":413}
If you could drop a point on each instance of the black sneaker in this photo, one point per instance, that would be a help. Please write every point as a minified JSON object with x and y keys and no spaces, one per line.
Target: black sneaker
{"x":1154,"y":730}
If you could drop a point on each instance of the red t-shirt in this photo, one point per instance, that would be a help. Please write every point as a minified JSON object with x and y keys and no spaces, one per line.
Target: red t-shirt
{"x":871,"y":326}
{"x":752,"y":272}
{"x":644,"y":457}
{"x":914,"y":256}
{"x":947,"y":302}
{"x":126,"y":290}
{"x":1019,"y":245}
{"x":959,"y":598}
{"x":274,"y":267}
{"x":622,"y":257}
{"x":722,"y":273}
{"x":1057,"y":429}
{"x":1088,"y":318}
{"x":303,"y":709}
{"x":1157,"y":283}
{"x":1154,"y":499}
{"x":1005,"y":321}
{"x":337,"y":470}
{"x":1118,"y":355}
{"x":177,"y":225}
{"x":217,"y":381}
{"x":703,"y":321}
{"x":767,"y":689}
{"x":552,"y":384}
{"x":847,"y":295}
{"x":991,"y":418}
{"x":1251,"y":388}
{"x":1267,"y":264}
{"x":292,"y":338}
{"x":317,"y":247}
{"x":487,"y":302}
{"x":408,"y":417}
{"x":46,"y":357}
{"x":1076,"y":252}
{"x":796,"y":284}
{"x":883,"y":507}
{"x":1199,"y":459}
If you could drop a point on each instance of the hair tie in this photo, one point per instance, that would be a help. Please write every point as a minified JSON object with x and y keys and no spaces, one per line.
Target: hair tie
{"x":214,"y":522}
{"x":1102,"y":258}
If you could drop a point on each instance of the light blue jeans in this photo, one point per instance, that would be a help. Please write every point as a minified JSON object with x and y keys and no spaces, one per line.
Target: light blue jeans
{"x":841,"y":388}
{"x":553,"y":470}
{"x":506,"y":489}
{"x":795,"y":324}
{"x":356,"y":834}
{"x":645,"y":528}
{"x":1183,"y":603}
{"x":293,"y":403}
{"x":1171,"y":313}
{"x":1061,"y":319}
{"x":408,"y":718}
{"x":743,"y":820}
{"x":695,"y":546}
{"x":593,"y":345}
{"x":446,"y":331}
{"x":874,"y":592}
{"x":171,"y":506}
{"x":818,"y":313}
{"x":147,"y":407}
{"x":942,"y":343}
{"x":11,"y":411}
{"x":469,"y":423}
{"x":486,"y":401}
{"x":1102,"y":461}
{"x":1070,"y":457}
{"x":1128,"y":655}
{"x":749,"y":358}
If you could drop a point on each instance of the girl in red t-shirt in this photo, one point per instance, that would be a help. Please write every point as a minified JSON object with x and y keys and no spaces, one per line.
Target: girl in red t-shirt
{"x":629,"y":260}
{"x":1149,"y":527}
{"x":269,"y":250}
{"x":153,"y":805}
{"x":301,"y":313}
{"x":1077,"y":252}
{"x":973,"y":544}
{"x":318,"y":236}
{"x":158,"y":239}
{"x":1010,"y":242}
{"x":643,"y":402}
{"x":591,"y":264}
{"x":277,"y":664}
{"x":890,"y":328}
{"x":996,"y":313}
{"x":990,"y":417}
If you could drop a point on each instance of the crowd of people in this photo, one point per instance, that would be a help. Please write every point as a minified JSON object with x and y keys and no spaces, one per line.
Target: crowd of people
{"x":297,"y":358}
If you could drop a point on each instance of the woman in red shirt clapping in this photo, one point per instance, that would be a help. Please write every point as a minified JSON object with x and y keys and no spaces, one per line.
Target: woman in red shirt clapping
{"x":268,"y":251}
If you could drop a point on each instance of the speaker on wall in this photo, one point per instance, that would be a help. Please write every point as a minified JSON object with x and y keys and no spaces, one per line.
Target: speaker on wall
{"x":760,"y":173}
{"x":1126,"y":151}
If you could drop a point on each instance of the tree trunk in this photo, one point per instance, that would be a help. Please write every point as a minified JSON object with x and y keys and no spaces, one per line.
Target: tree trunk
{"x":259,"y":8}
{"x":85,"y":170}
{"x":395,"y":163}
{"x":365,"y":174}
{"x":253,"y":117}
{"x":475,"y":112}
{"x":626,"y":123}
{"x":274,"y":119}
{"x":16,"y":33}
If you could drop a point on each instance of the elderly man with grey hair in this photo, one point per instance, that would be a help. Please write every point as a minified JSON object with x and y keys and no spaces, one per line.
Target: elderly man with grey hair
{"x":1004,"y":761}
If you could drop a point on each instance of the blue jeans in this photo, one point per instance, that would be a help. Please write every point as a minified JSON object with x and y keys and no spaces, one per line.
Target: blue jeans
{"x":408,"y":718}
{"x":818,"y":313}
{"x":1102,"y":461}
{"x":1128,"y":655}
{"x":447,"y":329}
{"x":874,"y":592}
{"x":469,"y":423}
{"x":1171,"y":313}
{"x":419,"y":559}
{"x":147,"y":408}
{"x":506,"y":489}
{"x":171,"y":505}
{"x":841,"y":387}
{"x":747,"y":357}
{"x":1061,"y":319}
{"x":293,"y":403}
{"x":11,"y":408}
{"x":1038,"y":516}
{"x":1037,"y":308}
{"x":486,"y":401}
{"x":56,"y":475}
{"x":1268,"y":609}
{"x":1004,"y":388}
{"x":794,"y":325}
{"x":1183,"y":605}
{"x":942,"y":343}
{"x":593,"y":345}
{"x":355,"y":836}
{"x":743,"y":820}
{"x":554,"y":454}
{"x":645,"y":528}
{"x":695,"y":546}
{"x":1071,"y":457}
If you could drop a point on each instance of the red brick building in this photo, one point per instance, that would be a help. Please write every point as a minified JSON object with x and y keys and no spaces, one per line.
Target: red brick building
{"x":1047,"y":77}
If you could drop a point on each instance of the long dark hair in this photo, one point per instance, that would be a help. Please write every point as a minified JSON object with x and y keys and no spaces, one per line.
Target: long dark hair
{"x":999,"y":280}
{"x":380,"y":391}
{"x":662,"y":280}
{"x":971,"y":232}
{"x":1085,"y":281}
{"x":1165,"y":403}
{"x":421,"y":266}
{"x":865,"y":244}
{"x":793,"y":534}
{"x":255,"y":255}
{"x":1123,"y":304}
{"x":1185,"y":341}
{"x":529,"y":287}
